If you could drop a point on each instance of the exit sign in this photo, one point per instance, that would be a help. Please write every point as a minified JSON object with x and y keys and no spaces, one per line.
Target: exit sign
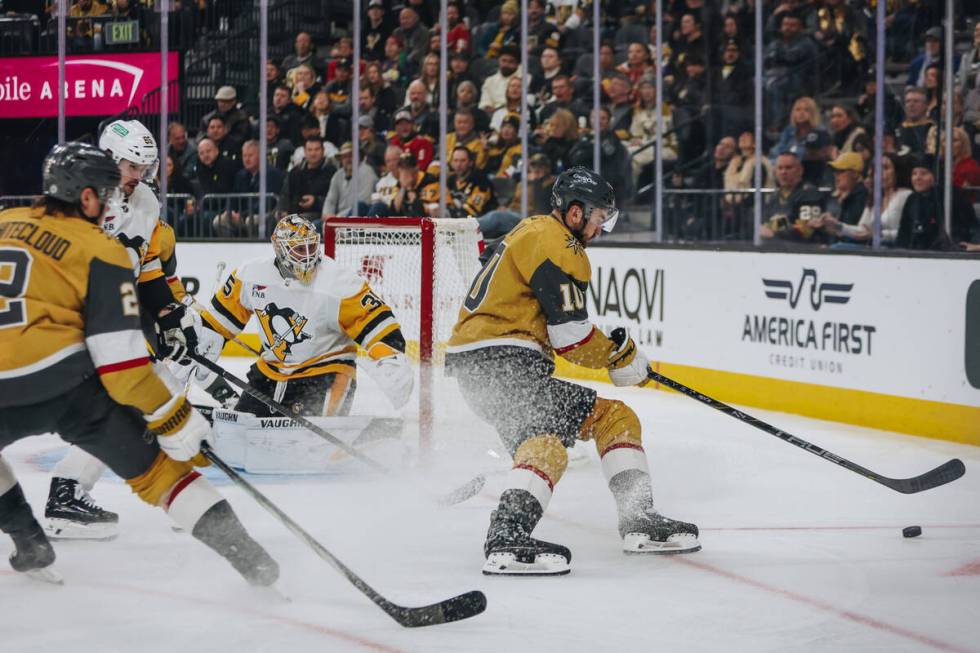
{"x":122,"y":32}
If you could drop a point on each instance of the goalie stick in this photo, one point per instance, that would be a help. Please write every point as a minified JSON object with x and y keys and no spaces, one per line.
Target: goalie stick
{"x":460,"y":494}
{"x":456,"y":608}
{"x":945,"y":473}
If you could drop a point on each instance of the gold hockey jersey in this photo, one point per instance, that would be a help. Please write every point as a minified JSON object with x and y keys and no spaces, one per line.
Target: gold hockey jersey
{"x":306,"y":330}
{"x":531,"y":293}
{"x":68,"y":310}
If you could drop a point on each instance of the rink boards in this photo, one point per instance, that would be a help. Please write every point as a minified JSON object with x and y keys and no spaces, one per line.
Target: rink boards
{"x":885,"y":342}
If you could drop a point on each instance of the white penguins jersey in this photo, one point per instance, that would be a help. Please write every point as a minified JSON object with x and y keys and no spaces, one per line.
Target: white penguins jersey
{"x":306,"y":330}
{"x":134,"y":221}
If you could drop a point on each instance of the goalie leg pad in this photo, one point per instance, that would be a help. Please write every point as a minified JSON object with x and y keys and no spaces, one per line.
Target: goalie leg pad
{"x":154,"y":484}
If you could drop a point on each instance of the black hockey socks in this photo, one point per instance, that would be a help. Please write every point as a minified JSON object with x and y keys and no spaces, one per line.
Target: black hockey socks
{"x":220,"y":529}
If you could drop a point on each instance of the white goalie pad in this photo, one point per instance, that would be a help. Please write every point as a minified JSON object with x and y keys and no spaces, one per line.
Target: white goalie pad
{"x":278,"y":445}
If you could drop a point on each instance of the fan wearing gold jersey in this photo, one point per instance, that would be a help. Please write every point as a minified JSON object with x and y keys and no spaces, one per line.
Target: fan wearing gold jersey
{"x":73,"y":361}
{"x":313,"y":315}
{"x":525,"y":306}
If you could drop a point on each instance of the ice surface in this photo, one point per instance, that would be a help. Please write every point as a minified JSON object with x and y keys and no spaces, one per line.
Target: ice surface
{"x":798,"y":554}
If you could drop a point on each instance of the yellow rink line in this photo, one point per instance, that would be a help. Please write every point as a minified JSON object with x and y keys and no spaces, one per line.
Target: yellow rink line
{"x":931,"y":419}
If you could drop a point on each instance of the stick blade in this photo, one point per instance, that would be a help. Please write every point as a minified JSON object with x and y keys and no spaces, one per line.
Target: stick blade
{"x":467,"y":491}
{"x":945,"y":473}
{"x":457,"y":608}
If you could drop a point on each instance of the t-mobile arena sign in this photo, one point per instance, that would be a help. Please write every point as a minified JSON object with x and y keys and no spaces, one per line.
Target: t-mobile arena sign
{"x":95,"y":85}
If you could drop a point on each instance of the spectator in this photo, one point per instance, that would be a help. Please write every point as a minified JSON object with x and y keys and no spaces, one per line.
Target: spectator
{"x":637,"y":64}
{"x":505,"y":32}
{"x":234,"y":117}
{"x":494,"y":91}
{"x":274,"y":77}
{"x":541,"y":33}
{"x":690,"y":41}
{"x":287,"y":113}
{"x":339,"y":90}
{"x":894,"y":193}
{"x":504,"y":152}
{"x":643,"y":131}
{"x":540,"y":85}
{"x":372,"y":149}
{"x":331,"y":126}
{"x":731,"y":30}
{"x":429,"y":77}
{"x":512,"y":104}
{"x":733,"y":92}
{"x":387,"y":186}
{"x":125,"y":10}
{"x":562,"y":97}
{"x":459,"y":72}
{"x":498,"y":223}
{"x":343,"y":50}
{"x":866,"y":108}
{"x":303,"y":53}
{"x":466,"y":97}
{"x":380,"y":119}
{"x":307,"y":184}
{"x":788,"y":211}
{"x":789,"y":65}
{"x":243,"y":219}
{"x":849,"y":199}
{"x":406,"y":137}
{"x":376,"y":30}
{"x":305,"y":86}
{"x":425,"y":118}
{"x":620,"y":107}
{"x":740,"y":174}
{"x":458,"y":38}
{"x":932,"y":53}
{"x":689,"y":108}
{"x":177,"y":183}
{"x":805,"y":121}
{"x":228,"y":145}
{"x":397,"y":69}
{"x":934,"y":89}
{"x":412,"y":34}
{"x":184,"y":155}
{"x":310,"y":128}
{"x":844,"y":128}
{"x":338,"y":201}
{"x":464,"y":134}
{"x":923,"y":220}
{"x":701,"y":216}
{"x":557,"y":136}
{"x":416,"y":192}
{"x":613,"y":157}
{"x":470,"y":192}
{"x":215,"y":175}
{"x":971,"y":128}
{"x":969,"y":68}
{"x":385,"y":97}
{"x":966,"y":172}
{"x":279,"y":148}
{"x":914,"y":130}
{"x":80,"y":31}
{"x":841,"y":30}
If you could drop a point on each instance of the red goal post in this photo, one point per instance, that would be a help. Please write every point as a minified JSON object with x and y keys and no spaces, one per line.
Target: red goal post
{"x":422,"y":267}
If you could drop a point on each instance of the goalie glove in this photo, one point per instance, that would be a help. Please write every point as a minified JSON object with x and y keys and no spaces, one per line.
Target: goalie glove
{"x":177,"y":328}
{"x":627,"y":364}
{"x":395,"y":376}
{"x":179,"y":428}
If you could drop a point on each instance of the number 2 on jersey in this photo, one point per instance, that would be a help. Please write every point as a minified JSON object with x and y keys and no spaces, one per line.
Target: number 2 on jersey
{"x":15,"y":270}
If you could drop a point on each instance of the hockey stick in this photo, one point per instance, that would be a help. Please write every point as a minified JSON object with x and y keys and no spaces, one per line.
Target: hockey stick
{"x":456,"y":608}
{"x":945,"y":473}
{"x":458,"y":495}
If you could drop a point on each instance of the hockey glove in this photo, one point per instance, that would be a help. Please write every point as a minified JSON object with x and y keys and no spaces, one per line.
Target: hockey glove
{"x":177,"y":328}
{"x":223,"y":393}
{"x":395,"y":376}
{"x":179,"y":428}
{"x":209,"y":344}
{"x":627,"y":364}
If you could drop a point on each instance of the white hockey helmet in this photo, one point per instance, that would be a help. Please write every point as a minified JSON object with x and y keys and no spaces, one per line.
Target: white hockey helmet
{"x":129,"y":140}
{"x":297,"y":245}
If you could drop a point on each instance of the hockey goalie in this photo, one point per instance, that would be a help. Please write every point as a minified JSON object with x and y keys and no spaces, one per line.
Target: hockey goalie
{"x":313,"y":316}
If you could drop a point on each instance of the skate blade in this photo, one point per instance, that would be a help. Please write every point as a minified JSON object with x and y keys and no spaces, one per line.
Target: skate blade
{"x":676,"y":543}
{"x":64,"y":529}
{"x":46,"y":575}
{"x":270,"y":593}
{"x":507,"y":564}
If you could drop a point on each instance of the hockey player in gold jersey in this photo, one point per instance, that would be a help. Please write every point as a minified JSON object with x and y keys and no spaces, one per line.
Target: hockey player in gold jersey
{"x":73,"y":361}
{"x":526,"y":305}
{"x":313,"y":315}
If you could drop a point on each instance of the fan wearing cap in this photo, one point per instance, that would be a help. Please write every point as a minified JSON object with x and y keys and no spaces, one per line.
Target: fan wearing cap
{"x":339,"y":89}
{"x":923,"y":223}
{"x":849,"y":199}
{"x":405,"y":137}
{"x":526,"y":306}
{"x":504,"y":153}
{"x":227,"y":108}
{"x":416,"y":191}
{"x":376,"y":30}
{"x":932,"y":53}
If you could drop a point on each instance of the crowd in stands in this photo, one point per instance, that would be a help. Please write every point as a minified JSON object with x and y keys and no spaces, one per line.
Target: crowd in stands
{"x":819,"y":122}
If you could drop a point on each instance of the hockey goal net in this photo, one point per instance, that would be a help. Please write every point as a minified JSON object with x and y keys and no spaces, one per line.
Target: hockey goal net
{"x":422,"y":267}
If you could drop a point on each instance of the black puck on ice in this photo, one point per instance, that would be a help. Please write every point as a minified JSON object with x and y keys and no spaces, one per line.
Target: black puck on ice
{"x":912,"y":531}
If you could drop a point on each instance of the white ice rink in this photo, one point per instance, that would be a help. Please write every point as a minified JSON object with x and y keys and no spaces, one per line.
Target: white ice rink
{"x":799,"y":554}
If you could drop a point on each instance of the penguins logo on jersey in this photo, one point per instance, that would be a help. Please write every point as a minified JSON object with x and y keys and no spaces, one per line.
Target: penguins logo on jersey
{"x":283,"y":328}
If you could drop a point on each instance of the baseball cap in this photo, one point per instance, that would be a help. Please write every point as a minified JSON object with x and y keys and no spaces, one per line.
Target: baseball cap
{"x":367,"y":122}
{"x":540,"y":159}
{"x":935,"y":33}
{"x":407,"y":160}
{"x":376,"y":3}
{"x":511,"y":119}
{"x":848,"y":161}
{"x":344,"y":63}
{"x":346,"y":148}
{"x":226,"y":93}
{"x":404,"y":114}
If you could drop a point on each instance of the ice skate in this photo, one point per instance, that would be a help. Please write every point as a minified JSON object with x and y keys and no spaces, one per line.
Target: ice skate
{"x":34,"y":555}
{"x":648,"y":531}
{"x":510,"y":549}
{"x":71,"y":514}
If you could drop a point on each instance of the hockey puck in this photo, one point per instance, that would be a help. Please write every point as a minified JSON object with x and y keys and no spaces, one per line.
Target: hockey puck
{"x":912,"y":531}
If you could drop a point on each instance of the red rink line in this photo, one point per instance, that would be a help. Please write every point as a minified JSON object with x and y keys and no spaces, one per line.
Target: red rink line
{"x":834,"y":528}
{"x":184,"y":598}
{"x":969,"y":569}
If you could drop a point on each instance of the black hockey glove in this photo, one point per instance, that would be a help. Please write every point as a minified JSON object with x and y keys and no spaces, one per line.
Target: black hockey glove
{"x":176,"y":334}
{"x":223,"y":393}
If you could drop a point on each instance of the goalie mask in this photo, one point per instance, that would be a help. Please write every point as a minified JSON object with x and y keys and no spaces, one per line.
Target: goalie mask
{"x":297,"y":245}
{"x":589,"y":189}
{"x":133,"y":148}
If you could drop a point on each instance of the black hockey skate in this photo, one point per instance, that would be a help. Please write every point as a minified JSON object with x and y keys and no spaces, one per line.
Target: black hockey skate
{"x":510,"y":549}
{"x":71,"y":514}
{"x":33,"y":555}
{"x":643,"y":529}
{"x":220,"y":529}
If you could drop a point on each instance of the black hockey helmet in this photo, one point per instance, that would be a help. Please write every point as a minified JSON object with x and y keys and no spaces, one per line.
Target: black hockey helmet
{"x":579,"y":184}
{"x":70,"y":168}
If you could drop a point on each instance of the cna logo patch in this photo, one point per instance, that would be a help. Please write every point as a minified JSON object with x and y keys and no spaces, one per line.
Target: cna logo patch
{"x":819,"y":293}
{"x":283,"y":328}
{"x":259,"y":291}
